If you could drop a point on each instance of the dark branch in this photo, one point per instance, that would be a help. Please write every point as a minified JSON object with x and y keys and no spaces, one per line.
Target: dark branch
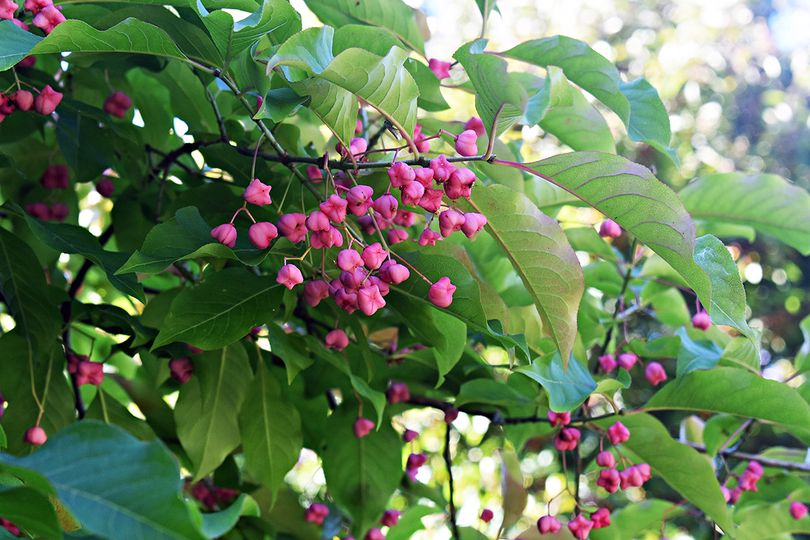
{"x":448,"y":461}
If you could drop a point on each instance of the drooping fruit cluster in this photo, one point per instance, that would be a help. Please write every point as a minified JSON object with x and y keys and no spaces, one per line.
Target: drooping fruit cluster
{"x":654,"y":372}
{"x":364,"y":270}
{"x":747,"y":481}
{"x":610,"y":478}
{"x":46,"y":16}
{"x":21,"y":100}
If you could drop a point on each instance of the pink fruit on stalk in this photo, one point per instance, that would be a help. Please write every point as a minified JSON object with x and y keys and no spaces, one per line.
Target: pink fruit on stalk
{"x":429,"y":238}
{"x":476,"y":125}
{"x":362,"y":427}
{"x":702,"y":321}
{"x":610,"y":480}
{"x":450,"y":415}
{"x":262,"y":233}
{"x":655,"y":373}
{"x":401,"y":174}
{"x":373,"y":255}
{"x":35,"y":436}
{"x":7,"y":9}
{"x":413,"y":193}
{"x":48,"y":19}
{"x":117,"y":104}
{"x":374,"y":534}
{"x":314,"y":173}
{"x":442,"y":169}
{"x":390,"y":518}
{"x":606,"y":459}
{"x":181,"y":369}
{"x":450,"y":221}
{"x":409,"y":435}
{"x":334,"y":208}
{"x":386,"y":205}
{"x":370,"y":300}
{"x":610,"y":229}
{"x":473,"y":223}
{"x":47,"y":100}
{"x":293,"y":227}
{"x":548,"y":525}
{"x":559,"y":419}
{"x":580,"y":527}
{"x":258,"y":193}
{"x":421,"y":142}
{"x":441,"y":292}
{"x":317,"y":221}
{"x":55,"y":177}
{"x":601,"y":518}
{"x":607,"y":362}
{"x":431,"y":200}
{"x":397,"y":393}
{"x":466,"y":143}
{"x":618,"y":433}
{"x":567,"y":439}
{"x":58,"y":212}
{"x":359,"y":199}
{"x":627,"y":360}
{"x":440,"y":68}
{"x":394,"y":273}
{"x":315,"y":291}
{"x":336,"y":339}
{"x":424,"y":176}
{"x":487,"y":515}
{"x":316,"y":513}
{"x":396,"y":236}
{"x":349,"y":260}
{"x":289,"y":275}
{"x":798,"y":510}
{"x":105,"y":187}
{"x":225,"y":234}
{"x":23,"y":99}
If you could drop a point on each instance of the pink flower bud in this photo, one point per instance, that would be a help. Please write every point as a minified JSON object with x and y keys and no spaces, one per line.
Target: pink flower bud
{"x":567,"y":439}
{"x":58,"y":212}
{"x":466,"y":144}
{"x":337,"y":340}
{"x":559,"y":419}
{"x":798,"y":510}
{"x":394,"y":273}
{"x":627,"y":360}
{"x":362,"y":427}
{"x":409,"y":435}
{"x":441,"y":292}
{"x":442,"y":169}
{"x":397,"y":236}
{"x":401,"y":174}
{"x":316,"y":513}
{"x":618,"y":433}
{"x":390,"y":518}
{"x":315,"y":291}
{"x":431,"y":200}
{"x":117,"y":104}
{"x":55,"y":177}
{"x":473,"y":223}
{"x":23,"y":99}
{"x":607,"y":362}
{"x":609,"y":480}
{"x":374,"y":534}
{"x":702,"y":321}
{"x":374,"y":255}
{"x":655,"y":373}
{"x":293,"y":227}
{"x":412,"y":193}
{"x":359,"y":199}
{"x":548,"y":525}
{"x":439,"y":68}
{"x":48,"y":19}
{"x":605,"y":459}
{"x":425,"y":177}
{"x":475,"y":124}
{"x":289,"y":275}
{"x":487,"y":515}
{"x":105,"y":187}
{"x":349,"y":260}
{"x":601,"y":518}
{"x":257,"y":193}
{"x":36,"y":436}
{"x":450,"y":221}
{"x":225,"y":234}
{"x":370,"y":300}
{"x":397,"y":393}
{"x":314,"y":173}
{"x":580,"y":527}
{"x":386,"y":206}
{"x":334,"y":208}
{"x":181,"y":369}
{"x":610,"y":229}
{"x":429,"y":237}
{"x":262,"y":233}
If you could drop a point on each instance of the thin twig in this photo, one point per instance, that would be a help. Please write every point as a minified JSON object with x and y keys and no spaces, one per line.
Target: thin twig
{"x":762,"y":460}
{"x":448,"y":461}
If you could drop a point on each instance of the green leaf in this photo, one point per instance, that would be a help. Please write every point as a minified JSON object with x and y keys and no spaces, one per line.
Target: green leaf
{"x":734,"y":391}
{"x":30,"y":510}
{"x":362,"y":474}
{"x":632,"y":520}
{"x":410,"y":522}
{"x":25,"y":292}
{"x":588,"y":240}
{"x":67,"y":238}
{"x":767,"y":202}
{"x":629,"y":194}
{"x":541,"y":255}
{"x":769,"y":521}
{"x":515,"y":495}
{"x":802,"y":360}
{"x":686,"y":471}
{"x":217,"y":524}
{"x":206,"y":410}
{"x":570,"y":117}
{"x":130,"y":36}
{"x":271,"y":431}
{"x":99,"y":473}
{"x":107,"y":409}
{"x":185,"y":236}
{"x":694,"y":355}
{"x":430,"y":93}
{"x":490,"y":392}
{"x":567,"y":386}
{"x":289,"y":349}
{"x":497,"y":95}
{"x":15,"y":43}
{"x":719,"y":431}
{"x":220,"y":310}
{"x":394,"y":15}
{"x":636,"y":103}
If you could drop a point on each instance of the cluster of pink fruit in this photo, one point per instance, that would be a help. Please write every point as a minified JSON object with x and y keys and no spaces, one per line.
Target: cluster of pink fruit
{"x":44,"y":103}
{"x":366,"y":270}
{"x":611,"y":479}
{"x":55,"y":177}
{"x":746,"y":482}
{"x":654,"y":372}
{"x":46,"y":16}
{"x":318,"y":512}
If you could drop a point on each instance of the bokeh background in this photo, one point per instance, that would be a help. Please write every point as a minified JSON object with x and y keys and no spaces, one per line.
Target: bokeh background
{"x":735,"y":76}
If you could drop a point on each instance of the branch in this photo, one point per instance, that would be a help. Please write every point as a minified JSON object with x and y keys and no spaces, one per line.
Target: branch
{"x":448,"y":461}
{"x":762,"y":460}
